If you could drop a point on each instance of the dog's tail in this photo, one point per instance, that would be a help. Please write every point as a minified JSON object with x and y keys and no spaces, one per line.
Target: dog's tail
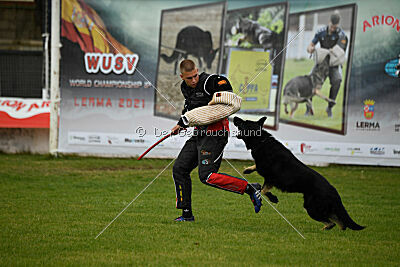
{"x":345,"y":218}
{"x":169,"y":59}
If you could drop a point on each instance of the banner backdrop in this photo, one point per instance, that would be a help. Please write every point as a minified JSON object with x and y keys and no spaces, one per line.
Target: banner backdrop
{"x":115,"y":54}
{"x":24,"y":113}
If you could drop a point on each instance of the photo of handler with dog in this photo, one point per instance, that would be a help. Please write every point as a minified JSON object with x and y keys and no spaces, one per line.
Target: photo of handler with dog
{"x":258,"y":27}
{"x":325,"y":57}
{"x":331,"y":37}
{"x":253,"y":57}
{"x":209,"y":100}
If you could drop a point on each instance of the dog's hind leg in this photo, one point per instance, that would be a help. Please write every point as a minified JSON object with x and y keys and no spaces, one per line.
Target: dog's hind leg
{"x":265,"y":191}
{"x":250,"y":169}
{"x":328,"y":225}
{"x":336,"y":220}
{"x":293,"y":109}
{"x":286,"y":109}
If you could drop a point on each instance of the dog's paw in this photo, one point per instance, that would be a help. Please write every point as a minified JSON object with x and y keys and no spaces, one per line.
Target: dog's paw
{"x":272,"y":197}
{"x":249,"y":170}
{"x":328,"y":226}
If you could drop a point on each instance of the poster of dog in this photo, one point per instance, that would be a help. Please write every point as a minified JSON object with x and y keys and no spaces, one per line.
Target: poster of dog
{"x":255,"y":38}
{"x":317,"y":68}
{"x":194,"y":32}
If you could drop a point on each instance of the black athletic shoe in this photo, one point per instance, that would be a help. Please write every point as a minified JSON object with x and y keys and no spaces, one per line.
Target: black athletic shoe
{"x":255,"y":196}
{"x":183,"y":219}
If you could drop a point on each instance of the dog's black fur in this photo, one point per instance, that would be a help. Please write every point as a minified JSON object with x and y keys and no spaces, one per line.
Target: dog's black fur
{"x":256,"y":34}
{"x":194,"y":41}
{"x":281,"y":169}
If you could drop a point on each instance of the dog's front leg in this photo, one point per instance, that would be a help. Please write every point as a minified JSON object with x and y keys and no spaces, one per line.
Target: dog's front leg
{"x":310,"y":107}
{"x":250,"y":169}
{"x":327,"y":99}
{"x":265,"y":190}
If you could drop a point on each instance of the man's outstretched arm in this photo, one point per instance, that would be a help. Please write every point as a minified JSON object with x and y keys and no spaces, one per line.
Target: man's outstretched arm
{"x":311,"y":48}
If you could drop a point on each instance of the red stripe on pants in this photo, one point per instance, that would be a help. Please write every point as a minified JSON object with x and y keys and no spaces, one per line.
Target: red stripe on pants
{"x":227,"y":182}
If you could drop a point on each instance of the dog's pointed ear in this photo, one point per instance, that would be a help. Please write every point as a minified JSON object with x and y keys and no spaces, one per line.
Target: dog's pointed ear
{"x":261,"y":121}
{"x":237,"y":121}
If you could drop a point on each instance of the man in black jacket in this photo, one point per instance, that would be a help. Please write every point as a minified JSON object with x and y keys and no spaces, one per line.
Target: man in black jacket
{"x":205,"y":148}
{"x":329,"y":36}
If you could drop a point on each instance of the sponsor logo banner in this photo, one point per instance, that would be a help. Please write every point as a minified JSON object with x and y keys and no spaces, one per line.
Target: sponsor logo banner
{"x":377,"y":151}
{"x":108,"y":139}
{"x":343,"y":149}
{"x":307,"y":148}
{"x":121,"y":140}
{"x":24,"y":113}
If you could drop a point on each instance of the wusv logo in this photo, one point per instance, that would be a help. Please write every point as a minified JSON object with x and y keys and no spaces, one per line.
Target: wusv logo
{"x":369,"y":107}
{"x":107,"y":63}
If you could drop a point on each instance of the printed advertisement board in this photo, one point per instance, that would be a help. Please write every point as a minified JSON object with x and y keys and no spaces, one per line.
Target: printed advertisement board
{"x":257,"y":28}
{"x":24,"y":113}
{"x":120,"y":83}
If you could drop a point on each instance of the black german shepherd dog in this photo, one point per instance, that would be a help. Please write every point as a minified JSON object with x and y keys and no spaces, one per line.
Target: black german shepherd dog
{"x":281,"y":169}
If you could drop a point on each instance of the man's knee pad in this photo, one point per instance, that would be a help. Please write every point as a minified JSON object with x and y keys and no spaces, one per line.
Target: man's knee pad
{"x":226,"y":182}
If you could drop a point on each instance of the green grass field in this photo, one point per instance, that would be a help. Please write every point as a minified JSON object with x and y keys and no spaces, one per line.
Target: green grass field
{"x":53,"y":208}
{"x":295,"y":68}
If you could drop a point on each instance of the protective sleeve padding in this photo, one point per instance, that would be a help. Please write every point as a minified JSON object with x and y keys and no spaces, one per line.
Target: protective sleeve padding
{"x":222,"y":105}
{"x":337,"y":56}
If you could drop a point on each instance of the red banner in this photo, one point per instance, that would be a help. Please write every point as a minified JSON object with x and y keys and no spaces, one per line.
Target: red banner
{"x":24,"y":113}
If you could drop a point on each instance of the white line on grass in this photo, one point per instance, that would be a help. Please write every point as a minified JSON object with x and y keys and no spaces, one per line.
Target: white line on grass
{"x":133,"y":200}
{"x":268,"y":201}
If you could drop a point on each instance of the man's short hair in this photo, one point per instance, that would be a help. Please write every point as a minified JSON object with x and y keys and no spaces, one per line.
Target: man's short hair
{"x":335,"y":18}
{"x":187,"y":65}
